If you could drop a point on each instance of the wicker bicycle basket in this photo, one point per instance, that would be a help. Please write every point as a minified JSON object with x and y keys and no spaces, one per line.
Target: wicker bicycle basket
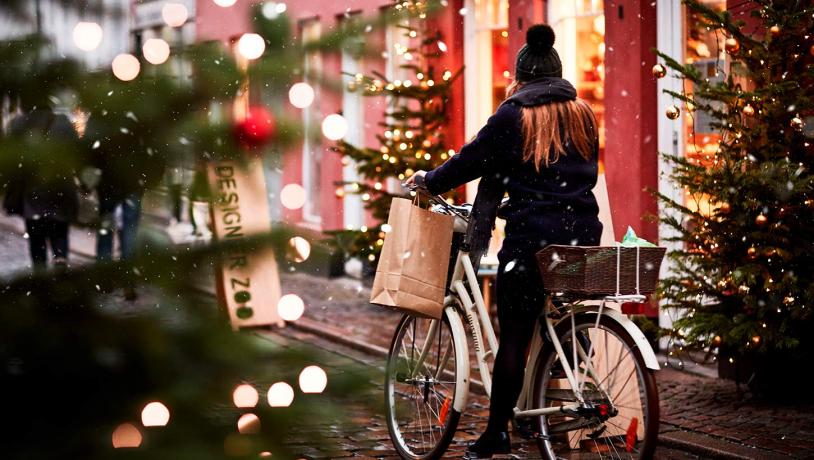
{"x":600,"y":269}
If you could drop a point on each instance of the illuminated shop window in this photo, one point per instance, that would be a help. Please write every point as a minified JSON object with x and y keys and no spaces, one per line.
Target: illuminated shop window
{"x":704,"y":50}
{"x":580,"y":29}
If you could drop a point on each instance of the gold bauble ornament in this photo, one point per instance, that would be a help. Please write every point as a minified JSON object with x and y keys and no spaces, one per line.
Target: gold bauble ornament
{"x":761,"y":219}
{"x":797,"y":123}
{"x":751,"y":252}
{"x":732,"y":45}
{"x":811,"y":50}
{"x":352,"y":86}
{"x":756,"y":339}
{"x":339,"y":192}
{"x":659,"y":71}
{"x":672,"y":112}
{"x":716,"y":340}
{"x":775,"y":31}
{"x":748,"y":110}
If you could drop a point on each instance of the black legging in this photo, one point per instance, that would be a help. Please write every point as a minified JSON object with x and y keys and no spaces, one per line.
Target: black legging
{"x":43,"y":231}
{"x":520,"y":298}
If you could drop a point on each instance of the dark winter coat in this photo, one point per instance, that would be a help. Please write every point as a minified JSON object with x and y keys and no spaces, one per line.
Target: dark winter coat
{"x":53,"y":197}
{"x":553,"y":206}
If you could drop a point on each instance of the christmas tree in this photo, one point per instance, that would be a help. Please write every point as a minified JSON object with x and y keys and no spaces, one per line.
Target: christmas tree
{"x":413,"y":130}
{"x":742,"y":279}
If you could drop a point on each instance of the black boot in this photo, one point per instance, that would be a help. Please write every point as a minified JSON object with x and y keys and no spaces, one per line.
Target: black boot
{"x":489,"y":444}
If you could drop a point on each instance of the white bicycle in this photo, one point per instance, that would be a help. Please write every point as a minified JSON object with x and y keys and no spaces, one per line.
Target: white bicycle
{"x":589,"y":389}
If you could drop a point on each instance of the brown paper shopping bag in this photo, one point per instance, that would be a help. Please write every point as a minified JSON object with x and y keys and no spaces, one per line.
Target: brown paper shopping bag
{"x":412,"y":270}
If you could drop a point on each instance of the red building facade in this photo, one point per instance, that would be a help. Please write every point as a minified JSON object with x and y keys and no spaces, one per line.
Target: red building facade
{"x":605,"y":46}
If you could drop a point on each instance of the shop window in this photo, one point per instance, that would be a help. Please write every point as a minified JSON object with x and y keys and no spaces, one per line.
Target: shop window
{"x":704,"y":49}
{"x":580,"y":29}
{"x":312,"y":147}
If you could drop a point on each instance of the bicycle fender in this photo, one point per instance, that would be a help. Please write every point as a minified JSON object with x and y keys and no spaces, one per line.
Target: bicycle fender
{"x":638,"y":336}
{"x":461,"y":355}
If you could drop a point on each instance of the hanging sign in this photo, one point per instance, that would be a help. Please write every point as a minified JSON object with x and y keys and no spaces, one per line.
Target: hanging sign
{"x":248,"y":282}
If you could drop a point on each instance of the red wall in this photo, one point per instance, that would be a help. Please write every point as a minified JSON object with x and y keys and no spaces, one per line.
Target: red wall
{"x":631,"y":152}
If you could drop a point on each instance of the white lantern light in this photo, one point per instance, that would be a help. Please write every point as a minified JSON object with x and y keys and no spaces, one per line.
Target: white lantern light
{"x":301,"y":95}
{"x":334,"y":127}
{"x":87,"y":35}
{"x":156,"y":51}
{"x":125,"y":67}
{"x":301,"y":247}
{"x":251,"y":46}
{"x":174,"y":14}
{"x":280,"y":395}
{"x":225,"y":3}
{"x":271,"y":10}
{"x":313,"y":380}
{"x":290,"y":307}
{"x":155,"y":414}
{"x":293,"y":196}
{"x":245,"y":396}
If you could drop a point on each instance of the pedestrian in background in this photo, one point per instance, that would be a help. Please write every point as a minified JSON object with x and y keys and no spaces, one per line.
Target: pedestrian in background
{"x":124,"y":174}
{"x":48,"y":199}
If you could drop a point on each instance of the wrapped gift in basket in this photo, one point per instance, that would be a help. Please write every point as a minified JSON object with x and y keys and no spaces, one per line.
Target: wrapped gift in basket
{"x":621,"y":270}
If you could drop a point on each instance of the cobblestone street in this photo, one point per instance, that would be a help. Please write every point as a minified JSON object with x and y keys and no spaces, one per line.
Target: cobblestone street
{"x":701,"y":417}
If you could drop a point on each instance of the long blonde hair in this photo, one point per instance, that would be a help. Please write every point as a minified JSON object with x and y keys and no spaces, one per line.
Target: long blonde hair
{"x":549,"y":128}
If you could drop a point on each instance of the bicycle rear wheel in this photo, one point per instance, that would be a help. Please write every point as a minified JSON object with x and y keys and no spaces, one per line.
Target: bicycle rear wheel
{"x":420,"y":388}
{"x":621,"y":417}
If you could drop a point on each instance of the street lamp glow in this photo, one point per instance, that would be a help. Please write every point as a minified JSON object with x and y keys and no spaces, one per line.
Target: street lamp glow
{"x":87,"y":35}
{"x":313,"y":380}
{"x":301,"y":95}
{"x":293,"y":196}
{"x":126,"y":435}
{"x":125,"y":67}
{"x":251,"y":46}
{"x":225,"y":3}
{"x":280,"y":395}
{"x":290,"y":307}
{"x":248,"y":424}
{"x":156,"y":51}
{"x":245,"y":396}
{"x":334,"y":127}
{"x":174,"y":14}
{"x":155,"y":414}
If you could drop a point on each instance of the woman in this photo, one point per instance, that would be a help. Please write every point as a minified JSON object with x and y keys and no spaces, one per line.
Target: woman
{"x":541,"y":146}
{"x":47,"y":202}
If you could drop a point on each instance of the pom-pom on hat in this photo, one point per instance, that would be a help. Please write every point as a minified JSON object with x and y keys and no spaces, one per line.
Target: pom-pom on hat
{"x":538,"y":58}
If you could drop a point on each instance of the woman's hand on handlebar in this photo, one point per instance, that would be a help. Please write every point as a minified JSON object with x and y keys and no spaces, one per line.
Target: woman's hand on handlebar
{"x":416,"y":180}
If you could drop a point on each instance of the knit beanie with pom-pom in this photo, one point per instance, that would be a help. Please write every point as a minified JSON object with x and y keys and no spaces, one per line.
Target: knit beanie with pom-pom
{"x":538,"y":58}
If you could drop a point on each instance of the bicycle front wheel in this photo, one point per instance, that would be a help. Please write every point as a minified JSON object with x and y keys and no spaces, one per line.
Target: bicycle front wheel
{"x":420,"y":388}
{"x":620,"y":415}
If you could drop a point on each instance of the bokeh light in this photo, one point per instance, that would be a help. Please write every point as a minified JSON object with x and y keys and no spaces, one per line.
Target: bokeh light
{"x":293,"y":196}
{"x":156,"y":51}
{"x":251,"y":46}
{"x":313,"y":380}
{"x":280,"y":395}
{"x":87,"y":35}
{"x":290,"y":307}
{"x":300,"y":248}
{"x":125,"y":67}
{"x":334,"y":127}
{"x":155,"y":414}
{"x":174,"y":14}
{"x":248,"y":424}
{"x":271,"y":10}
{"x":126,"y":435}
{"x":245,"y":396}
{"x":301,"y":95}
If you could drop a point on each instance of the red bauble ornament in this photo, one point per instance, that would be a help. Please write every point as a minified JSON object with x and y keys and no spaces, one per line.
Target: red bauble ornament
{"x":257,"y":128}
